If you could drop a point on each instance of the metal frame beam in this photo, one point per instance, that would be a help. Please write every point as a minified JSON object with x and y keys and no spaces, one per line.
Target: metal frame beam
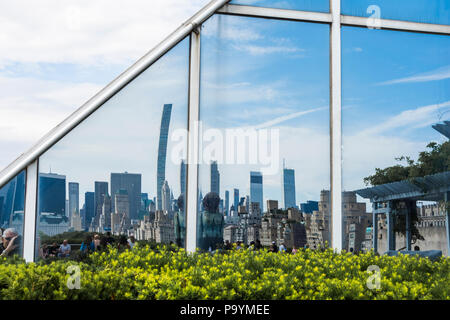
{"x":336,"y":127}
{"x":193,"y":143}
{"x":397,"y":25}
{"x":374,"y":228}
{"x":271,"y":13}
{"x":29,"y":230}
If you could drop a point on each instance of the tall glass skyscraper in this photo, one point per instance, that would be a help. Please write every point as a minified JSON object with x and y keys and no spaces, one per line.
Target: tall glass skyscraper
{"x":227,"y":202}
{"x":89,"y":208}
{"x":256,"y":189}
{"x":74,"y":199}
{"x":183,"y":167}
{"x":236,"y":199}
{"x":12,"y":199}
{"x":162,"y":152}
{"x":215,"y":178}
{"x":52,"y":194}
{"x":289,"y":188}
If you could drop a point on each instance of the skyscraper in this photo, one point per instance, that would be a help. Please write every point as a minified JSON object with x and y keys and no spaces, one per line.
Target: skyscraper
{"x":236,"y":199}
{"x":256,"y":188}
{"x":215,"y":178}
{"x":162,"y":151}
{"x":289,"y":188}
{"x":89,"y":208}
{"x":183,"y":177}
{"x":166,"y":197}
{"x":227,"y":202}
{"x":12,"y":199}
{"x":74,"y":199}
{"x":121,"y":203}
{"x":52,"y":194}
{"x":101,"y":190}
{"x":131,"y":182}
{"x":106,"y":210}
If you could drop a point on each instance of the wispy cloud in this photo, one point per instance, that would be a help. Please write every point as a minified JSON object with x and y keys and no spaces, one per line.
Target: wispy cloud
{"x":262,"y":50}
{"x":288,"y":117}
{"x":416,"y":118}
{"x":435,"y":75}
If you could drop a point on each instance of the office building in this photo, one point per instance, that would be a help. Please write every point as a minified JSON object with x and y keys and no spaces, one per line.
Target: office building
{"x":289,"y":188}
{"x":256,"y":188}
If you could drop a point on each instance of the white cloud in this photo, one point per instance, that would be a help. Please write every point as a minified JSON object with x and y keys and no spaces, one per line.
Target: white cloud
{"x":29,"y":108}
{"x":435,"y":75}
{"x":419,"y":117}
{"x":87,"y":32}
{"x":262,"y":50}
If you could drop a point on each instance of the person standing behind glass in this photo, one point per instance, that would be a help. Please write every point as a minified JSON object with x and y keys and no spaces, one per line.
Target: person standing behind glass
{"x":10,"y":243}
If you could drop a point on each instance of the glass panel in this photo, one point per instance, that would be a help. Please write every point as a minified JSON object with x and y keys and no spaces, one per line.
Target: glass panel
{"x":123,"y":169}
{"x":426,"y":11}
{"x":303,"y":5}
{"x":396,"y":102}
{"x":265,"y":133}
{"x":12,"y":204}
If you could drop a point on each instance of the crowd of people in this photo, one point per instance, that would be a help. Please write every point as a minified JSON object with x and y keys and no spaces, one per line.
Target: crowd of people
{"x":90,"y":244}
{"x":256,"y":245}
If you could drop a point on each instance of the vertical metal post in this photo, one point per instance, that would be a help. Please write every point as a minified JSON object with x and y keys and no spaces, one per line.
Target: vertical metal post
{"x":29,"y":233}
{"x":447,"y":220}
{"x":409,"y":207}
{"x":335,"y":115}
{"x":374,"y":228}
{"x":193,"y":143}
{"x":390,"y":226}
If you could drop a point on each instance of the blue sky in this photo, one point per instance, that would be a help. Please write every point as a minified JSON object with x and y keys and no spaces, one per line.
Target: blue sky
{"x":395,"y":86}
{"x":254,"y":71}
{"x":427,"y":11}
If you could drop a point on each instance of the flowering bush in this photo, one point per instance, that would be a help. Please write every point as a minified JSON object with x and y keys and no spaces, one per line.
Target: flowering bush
{"x":166,"y":273}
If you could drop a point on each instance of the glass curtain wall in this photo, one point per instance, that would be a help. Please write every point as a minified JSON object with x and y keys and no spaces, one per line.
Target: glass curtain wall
{"x":264,"y":131}
{"x":395,"y":111}
{"x":120,"y":175}
{"x":12,"y":204}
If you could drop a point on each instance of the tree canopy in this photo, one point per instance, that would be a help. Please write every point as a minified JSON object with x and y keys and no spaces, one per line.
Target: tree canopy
{"x":434,"y":160}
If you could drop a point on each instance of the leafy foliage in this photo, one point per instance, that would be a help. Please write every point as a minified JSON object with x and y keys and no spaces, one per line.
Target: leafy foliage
{"x":169,"y":273}
{"x":435,"y":160}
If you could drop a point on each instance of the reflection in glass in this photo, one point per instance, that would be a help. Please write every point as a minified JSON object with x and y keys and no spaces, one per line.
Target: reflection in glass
{"x":426,"y":11}
{"x":264,"y":122}
{"x":395,"y":134}
{"x":12,"y":204}
{"x":304,"y":5}
{"x":122,"y":172}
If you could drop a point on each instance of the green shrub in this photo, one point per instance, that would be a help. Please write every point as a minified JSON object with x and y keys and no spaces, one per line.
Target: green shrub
{"x":169,"y":273}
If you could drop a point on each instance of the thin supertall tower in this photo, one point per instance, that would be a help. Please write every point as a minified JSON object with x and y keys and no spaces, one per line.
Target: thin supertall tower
{"x":162,"y":152}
